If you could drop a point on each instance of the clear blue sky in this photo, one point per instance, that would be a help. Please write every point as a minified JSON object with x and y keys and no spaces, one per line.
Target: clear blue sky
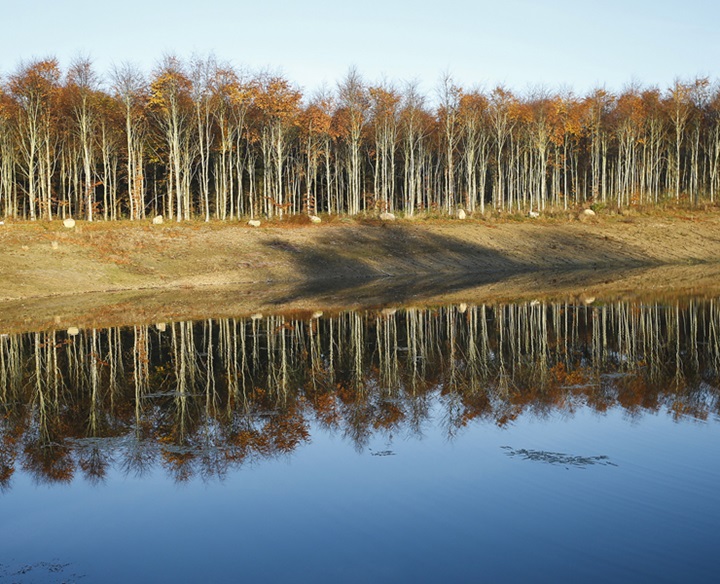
{"x":521,"y":43}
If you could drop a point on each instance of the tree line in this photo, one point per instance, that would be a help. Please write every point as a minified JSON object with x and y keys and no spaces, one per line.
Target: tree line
{"x":200,"y":139}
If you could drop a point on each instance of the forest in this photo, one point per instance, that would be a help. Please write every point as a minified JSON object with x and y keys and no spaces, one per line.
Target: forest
{"x":200,"y":139}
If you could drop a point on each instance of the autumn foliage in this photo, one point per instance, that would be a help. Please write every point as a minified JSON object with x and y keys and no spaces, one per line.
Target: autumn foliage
{"x":200,"y":139}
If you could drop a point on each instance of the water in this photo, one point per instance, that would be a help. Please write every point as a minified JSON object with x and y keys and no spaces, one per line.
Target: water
{"x":520,"y":442}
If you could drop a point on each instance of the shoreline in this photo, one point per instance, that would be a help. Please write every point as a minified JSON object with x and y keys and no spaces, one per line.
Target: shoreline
{"x":113,"y":273}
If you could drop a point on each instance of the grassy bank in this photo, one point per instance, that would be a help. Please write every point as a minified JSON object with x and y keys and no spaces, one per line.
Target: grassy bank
{"x":222,"y":265}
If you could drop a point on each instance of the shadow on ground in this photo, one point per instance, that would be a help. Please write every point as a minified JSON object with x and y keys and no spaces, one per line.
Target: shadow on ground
{"x":397,"y":264}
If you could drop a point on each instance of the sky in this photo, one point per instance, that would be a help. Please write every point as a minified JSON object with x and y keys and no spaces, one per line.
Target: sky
{"x":522,"y":44}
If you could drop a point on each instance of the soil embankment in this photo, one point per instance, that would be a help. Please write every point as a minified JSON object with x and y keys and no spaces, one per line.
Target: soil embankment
{"x":121,"y":272}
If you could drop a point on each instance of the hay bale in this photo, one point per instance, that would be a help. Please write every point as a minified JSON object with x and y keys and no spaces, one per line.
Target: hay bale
{"x":257,"y":316}
{"x":387,"y":216}
{"x":533,"y":214}
{"x":462,"y":309}
{"x":161,"y":327}
{"x":317,"y":314}
{"x":253,"y":223}
{"x":69,"y":223}
{"x":315,"y":219}
{"x":589,"y":213}
{"x":461,"y":214}
{"x":73,"y":331}
{"x":158,"y":220}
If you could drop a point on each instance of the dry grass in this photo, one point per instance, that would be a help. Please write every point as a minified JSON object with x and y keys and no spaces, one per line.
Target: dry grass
{"x":125,"y":255}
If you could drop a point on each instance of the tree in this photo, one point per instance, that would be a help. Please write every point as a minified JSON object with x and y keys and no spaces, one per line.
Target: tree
{"x":203,"y":73}
{"x":8,"y":162}
{"x":130,"y":88}
{"x":599,"y":104}
{"x":678,"y":103}
{"x":35,"y":88}
{"x":278,"y":103}
{"x":384,"y":108}
{"x":82,"y":85}
{"x":502,"y":120}
{"x":473,"y":119}
{"x":171,"y":105}
{"x":354,"y":103}
{"x":414,"y":123}
{"x":315,"y":127}
{"x":449,"y":96}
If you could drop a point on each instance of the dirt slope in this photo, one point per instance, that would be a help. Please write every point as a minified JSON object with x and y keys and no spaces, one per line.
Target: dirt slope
{"x":49,"y":270}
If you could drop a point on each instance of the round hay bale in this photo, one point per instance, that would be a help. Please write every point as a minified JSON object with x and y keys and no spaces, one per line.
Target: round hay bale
{"x":461,"y":214}
{"x":317,"y":314}
{"x":158,"y":220}
{"x":161,"y":327}
{"x":253,"y":223}
{"x":315,"y":219}
{"x":73,"y":331}
{"x":589,"y":213}
{"x":387,"y":216}
{"x":69,"y":223}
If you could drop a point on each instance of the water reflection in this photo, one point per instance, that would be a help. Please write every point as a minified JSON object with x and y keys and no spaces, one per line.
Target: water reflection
{"x":202,"y":398}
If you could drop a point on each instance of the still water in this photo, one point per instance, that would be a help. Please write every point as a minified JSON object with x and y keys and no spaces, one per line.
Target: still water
{"x":534,"y":442}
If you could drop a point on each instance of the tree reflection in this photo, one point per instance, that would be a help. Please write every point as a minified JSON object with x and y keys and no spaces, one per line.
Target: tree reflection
{"x":202,"y":398}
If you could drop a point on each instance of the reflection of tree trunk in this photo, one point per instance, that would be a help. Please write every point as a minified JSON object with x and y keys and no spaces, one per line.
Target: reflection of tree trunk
{"x":370,"y":372}
{"x":93,"y":418}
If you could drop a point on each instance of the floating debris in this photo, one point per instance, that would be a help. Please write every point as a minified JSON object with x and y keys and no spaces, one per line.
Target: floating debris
{"x":39,"y":571}
{"x":382,"y":453}
{"x":558,"y":458}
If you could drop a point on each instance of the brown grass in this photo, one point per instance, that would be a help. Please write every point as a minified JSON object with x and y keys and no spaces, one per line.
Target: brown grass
{"x":293,"y":262}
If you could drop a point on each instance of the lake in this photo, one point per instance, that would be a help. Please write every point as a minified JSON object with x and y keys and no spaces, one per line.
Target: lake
{"x":518,"y":442}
